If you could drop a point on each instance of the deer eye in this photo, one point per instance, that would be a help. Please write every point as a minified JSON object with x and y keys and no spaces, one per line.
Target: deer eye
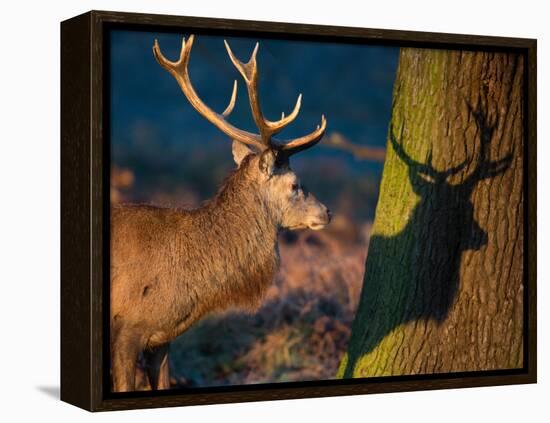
{"x":295,"y":187}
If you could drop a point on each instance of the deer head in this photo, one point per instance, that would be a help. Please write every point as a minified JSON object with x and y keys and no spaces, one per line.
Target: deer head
{"x":266,"y":158}
{"x":434,"y":187}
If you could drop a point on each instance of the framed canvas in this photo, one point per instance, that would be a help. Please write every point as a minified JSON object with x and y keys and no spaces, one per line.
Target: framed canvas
{"x":379,"y":235}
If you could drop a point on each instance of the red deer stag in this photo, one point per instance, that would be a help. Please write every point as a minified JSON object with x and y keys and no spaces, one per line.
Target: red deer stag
{"x":171,"y":267}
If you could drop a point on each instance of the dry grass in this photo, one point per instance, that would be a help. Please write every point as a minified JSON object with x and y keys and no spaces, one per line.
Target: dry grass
{"x":301,"y":330}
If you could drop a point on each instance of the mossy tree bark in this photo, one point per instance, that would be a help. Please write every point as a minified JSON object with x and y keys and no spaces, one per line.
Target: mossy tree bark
{"x":443,"y":286}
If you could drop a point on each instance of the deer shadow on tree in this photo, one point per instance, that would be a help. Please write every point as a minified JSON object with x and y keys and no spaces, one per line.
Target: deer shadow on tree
{"x":415,"y":274}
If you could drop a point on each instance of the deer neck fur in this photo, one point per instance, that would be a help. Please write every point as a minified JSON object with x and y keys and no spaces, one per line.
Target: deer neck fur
{"x":239,"y":241}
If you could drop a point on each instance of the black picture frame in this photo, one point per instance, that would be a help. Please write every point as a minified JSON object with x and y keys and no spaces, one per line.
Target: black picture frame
{"x":85,"y":209}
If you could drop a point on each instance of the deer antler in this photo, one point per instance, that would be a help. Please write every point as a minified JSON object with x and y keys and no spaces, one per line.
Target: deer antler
{"x":249,"y":71}
{"x":423,"y":168}
{"x":180,"y":72}
{"x":486,"y":168}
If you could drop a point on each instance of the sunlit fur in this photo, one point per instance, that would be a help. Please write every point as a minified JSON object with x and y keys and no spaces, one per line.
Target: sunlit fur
{"x":170,"y":267}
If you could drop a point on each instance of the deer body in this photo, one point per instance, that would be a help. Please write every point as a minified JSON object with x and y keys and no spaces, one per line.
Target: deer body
{"x":171,"y":267}
{"x":183,"y":264}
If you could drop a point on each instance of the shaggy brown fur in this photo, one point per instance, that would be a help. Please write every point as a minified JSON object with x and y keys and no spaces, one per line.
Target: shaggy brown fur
{"x":170,"y":267}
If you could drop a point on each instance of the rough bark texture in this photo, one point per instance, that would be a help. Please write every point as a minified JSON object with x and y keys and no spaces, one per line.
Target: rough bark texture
{"x":443,"y":286}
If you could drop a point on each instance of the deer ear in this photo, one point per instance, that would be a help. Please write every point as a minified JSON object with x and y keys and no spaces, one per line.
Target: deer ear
{"x":240,"y":151}
{"x":267,"y":162}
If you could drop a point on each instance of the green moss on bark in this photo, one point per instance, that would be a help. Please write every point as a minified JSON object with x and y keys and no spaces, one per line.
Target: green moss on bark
{"x":443,"y":283}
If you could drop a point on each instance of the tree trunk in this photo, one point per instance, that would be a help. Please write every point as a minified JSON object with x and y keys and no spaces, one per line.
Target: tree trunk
{"x":443,"y":285}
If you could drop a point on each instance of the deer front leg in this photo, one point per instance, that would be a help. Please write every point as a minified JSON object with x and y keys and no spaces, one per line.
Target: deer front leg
{"x":158,"y":370}
{"x":124,"y":354}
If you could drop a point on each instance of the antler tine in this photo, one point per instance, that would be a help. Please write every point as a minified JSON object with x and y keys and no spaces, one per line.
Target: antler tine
{"x":170,"y":66}
{"x":180,"y":72}
{"x":299,"y":144}
{"x":408,"y":160}
{"x":457,"y":169}
{"x":284,"y":121}
{"x":249,"y":71}
{"x":231,"y":104}
{"x":484,"y":167}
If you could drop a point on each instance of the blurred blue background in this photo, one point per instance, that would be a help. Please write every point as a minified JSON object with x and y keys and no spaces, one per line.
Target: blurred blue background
{"x":172,"y":156}
{"x":165,"y":153}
